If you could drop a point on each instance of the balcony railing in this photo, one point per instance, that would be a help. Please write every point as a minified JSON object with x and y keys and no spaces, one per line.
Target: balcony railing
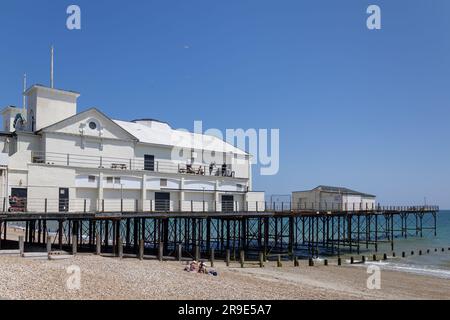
{"x":123,"y":164}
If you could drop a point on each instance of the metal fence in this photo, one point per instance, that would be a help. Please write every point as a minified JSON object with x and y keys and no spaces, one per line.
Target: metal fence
{"x":115,"y":163}
{"x":39,"y":205}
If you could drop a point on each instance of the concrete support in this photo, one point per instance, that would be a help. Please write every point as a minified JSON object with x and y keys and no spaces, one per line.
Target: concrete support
{"x":143,"y":203}
{"x":100,"y":192}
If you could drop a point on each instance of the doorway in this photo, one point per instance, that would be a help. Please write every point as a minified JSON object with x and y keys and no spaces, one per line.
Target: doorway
{"x":227,"y":203}
{"x":162,"y":201}
{"x":18,"y":200}
{"x":63,"y":200}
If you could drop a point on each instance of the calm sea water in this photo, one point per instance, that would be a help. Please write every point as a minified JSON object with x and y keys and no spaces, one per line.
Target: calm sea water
{"x":435,"y":263}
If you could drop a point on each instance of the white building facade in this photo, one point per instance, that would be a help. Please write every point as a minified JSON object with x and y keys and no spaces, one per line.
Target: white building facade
{"x":332,"y":198}
{"x":54,"y":159}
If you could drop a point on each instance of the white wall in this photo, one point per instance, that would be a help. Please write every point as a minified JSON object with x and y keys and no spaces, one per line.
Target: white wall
{"x":50,"y":106}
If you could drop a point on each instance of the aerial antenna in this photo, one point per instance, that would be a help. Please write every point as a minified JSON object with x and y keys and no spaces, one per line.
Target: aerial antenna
{"x":52,"y":84}
{"x":23,"y":94}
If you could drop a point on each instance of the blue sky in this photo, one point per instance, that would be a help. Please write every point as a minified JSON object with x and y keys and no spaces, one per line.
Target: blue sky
{"x":364,"y":109}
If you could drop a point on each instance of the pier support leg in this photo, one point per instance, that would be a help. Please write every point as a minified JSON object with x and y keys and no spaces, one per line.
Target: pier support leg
{"x":180,"y":252}
{"x":74,"y":244}
{"x":120,"y":248}
{"x":60,"y":234}
{"x":141,"y":250}
{"x":212,"y":258}
{"x":21,"y":245}
{"x":161,"y":251}
{"x":98,"y":244}
{"x":49,"y":245}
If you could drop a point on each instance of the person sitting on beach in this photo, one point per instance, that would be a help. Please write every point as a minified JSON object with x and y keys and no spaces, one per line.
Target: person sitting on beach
{"x":202,"y":268}
{"x":193,"y":266}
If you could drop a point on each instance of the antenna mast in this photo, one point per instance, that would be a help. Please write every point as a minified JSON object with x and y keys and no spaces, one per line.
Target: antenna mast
{"x":51,"y":68}
{"x":23,"y":94}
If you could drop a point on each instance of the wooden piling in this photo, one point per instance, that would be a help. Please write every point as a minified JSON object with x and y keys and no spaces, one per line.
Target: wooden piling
{"x":296,"y":263}
{"x":211,"y":258}
{"x":374,"y":257}
{"x":197,"y":253}
{"x":403,"y":254}
{"x":325,"y":262}
{"x":412,"y":253}
{"x":261,"y":260}
{"x":420,"y":252}
{"x":352,"y":260}
{"x":180,"y":252}
{"x":160,"y":251}
{"x":363,"y":259}
{"x":279,"y":264}
{"x":242,"y":258}
{"x":141,"y":250}
{"x":74,"y":244}
{"x":227,"y":258}
{"x":384,"y":256}
{"x":120,"y":248}
{"x":49,"y":245}
{"x":98,"y":244}
{"x":339,"y":261}
{"x":311,"y":262}
{"x":21,"y":245}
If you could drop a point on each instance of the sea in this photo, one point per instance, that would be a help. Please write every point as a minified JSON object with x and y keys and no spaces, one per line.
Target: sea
{"x":434,"y":263}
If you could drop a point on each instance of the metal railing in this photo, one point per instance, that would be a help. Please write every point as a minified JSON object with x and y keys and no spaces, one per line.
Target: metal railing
{"x":123,"y":164}
{"x":39,"y":205}
{"x":356,"y":206}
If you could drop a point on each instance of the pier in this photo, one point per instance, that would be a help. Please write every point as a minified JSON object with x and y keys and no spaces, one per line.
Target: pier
{"x":277,"y":230}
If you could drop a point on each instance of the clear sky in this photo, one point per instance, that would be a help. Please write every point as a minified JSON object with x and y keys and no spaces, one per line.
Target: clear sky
{"x":368,"y":110}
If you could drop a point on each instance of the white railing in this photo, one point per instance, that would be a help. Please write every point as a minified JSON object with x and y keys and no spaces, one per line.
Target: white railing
{"x":34,"y":205}
{"x":123,"y":164}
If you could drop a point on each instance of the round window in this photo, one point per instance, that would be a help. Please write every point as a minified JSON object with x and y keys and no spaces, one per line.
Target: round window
{"x":92,"y":125}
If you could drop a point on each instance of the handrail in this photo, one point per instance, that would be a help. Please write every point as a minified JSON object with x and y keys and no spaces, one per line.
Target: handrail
{"x":39,"y":205}
{"x":118,"y":163}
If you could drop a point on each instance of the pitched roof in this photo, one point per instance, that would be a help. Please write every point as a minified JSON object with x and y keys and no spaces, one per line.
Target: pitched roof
{"x":83,"y":113}
{"x":342,"y":190}
{"x":163,"y":134}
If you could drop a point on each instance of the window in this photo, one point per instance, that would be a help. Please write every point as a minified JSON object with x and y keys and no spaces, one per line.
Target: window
{"x":91,"y":178}
{"x":114,"y":180}
{"x":92,"y":125}
{"x":149,"y":162}
{"x":163,"y":183}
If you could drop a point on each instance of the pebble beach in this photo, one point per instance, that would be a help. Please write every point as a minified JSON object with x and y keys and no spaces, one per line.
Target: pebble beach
{"x":108,"y":278}
{"x":105,"y":278}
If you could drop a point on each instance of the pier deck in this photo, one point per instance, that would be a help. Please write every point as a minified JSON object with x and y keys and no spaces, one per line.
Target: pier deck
{"x":299,"y":233}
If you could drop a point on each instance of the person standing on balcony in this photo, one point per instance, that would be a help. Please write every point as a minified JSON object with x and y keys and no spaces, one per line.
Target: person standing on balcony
{"x":211,"y":168}
{"x":224,"y":170}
